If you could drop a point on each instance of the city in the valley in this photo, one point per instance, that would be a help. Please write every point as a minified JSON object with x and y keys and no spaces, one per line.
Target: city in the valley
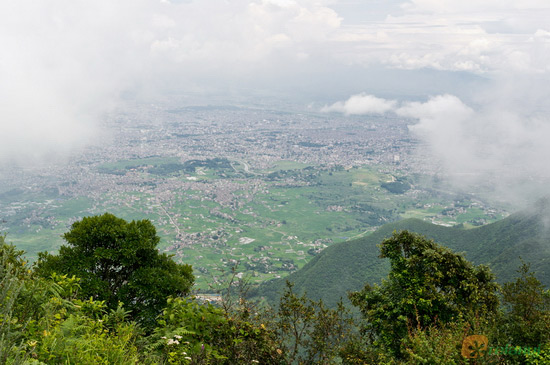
{"x":262,"y":189}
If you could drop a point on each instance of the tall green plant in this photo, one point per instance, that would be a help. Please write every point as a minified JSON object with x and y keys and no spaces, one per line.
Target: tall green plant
{"x":13,"y":273}
{"x":189,"y":331}
{"x":427,"y":284}
{"x":527,"y":309}
{"x":309,"y":331}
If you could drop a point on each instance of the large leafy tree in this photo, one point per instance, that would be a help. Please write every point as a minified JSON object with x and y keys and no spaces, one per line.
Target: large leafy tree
{"x":527,"y":305}
{"x":118,"y":261}
{"x":427,"y":285}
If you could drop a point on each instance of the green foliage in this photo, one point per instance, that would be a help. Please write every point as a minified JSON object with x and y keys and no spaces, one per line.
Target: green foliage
{"x":526,"y":320}
{"x":193,"y":332}
{"x":434,"y":346}
{"x":540,"y":358}
{"x":80,"y":339}
{"x":527,"y":306}
{"x":13,"y":271}
{"x":396,"y":187}
{"x":117,"y":262}
{"x":427,"y":284}
{"x":441,"y":343}
{"x":41,"y":321}
{"x":356,"y":353}
{"x":309,"y":331}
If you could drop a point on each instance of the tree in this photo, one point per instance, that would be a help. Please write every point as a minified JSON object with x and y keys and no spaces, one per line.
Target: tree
{"x":310,"y":332}
{"x":427,"y":285}
{"x":190,"y":331}
{"x":13,"y":273}
{"x":527,"y":305}
{"x":117,"y":262}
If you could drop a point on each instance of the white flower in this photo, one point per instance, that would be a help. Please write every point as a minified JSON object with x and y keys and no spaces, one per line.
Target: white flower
{"x":178,"y":337}
{"x":173,"y":342}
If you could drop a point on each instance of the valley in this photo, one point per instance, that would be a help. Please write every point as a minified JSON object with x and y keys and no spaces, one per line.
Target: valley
{"x":266,"y":194}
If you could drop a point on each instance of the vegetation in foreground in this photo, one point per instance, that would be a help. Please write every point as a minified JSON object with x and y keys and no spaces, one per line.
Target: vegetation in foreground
{"x":90,"y":304}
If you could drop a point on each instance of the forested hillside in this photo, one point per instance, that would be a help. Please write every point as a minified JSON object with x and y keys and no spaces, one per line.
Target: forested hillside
{"x":346,"y":266}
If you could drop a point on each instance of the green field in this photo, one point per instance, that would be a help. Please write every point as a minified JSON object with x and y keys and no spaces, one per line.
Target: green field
{"x":217,"y":213}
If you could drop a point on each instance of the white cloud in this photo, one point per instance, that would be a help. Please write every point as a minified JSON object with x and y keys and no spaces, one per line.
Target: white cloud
{"x":475,"y":36}
{"x":58,"y":74}
{"x":472,"y":6}
{"x":64,"y":62}
{"x":499,"y":141}
{"x":445,"y":122}
{"x":499,"y":144}
{"x":361,"y":104}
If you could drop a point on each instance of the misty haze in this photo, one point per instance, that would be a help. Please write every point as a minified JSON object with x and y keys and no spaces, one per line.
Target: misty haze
{"x":267,"y":138}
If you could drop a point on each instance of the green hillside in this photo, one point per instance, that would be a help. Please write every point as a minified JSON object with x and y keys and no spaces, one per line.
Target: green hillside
{"x":347,"y":266}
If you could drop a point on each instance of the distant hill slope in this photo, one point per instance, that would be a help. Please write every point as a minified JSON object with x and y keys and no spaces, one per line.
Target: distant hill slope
{"x":347,"y":266}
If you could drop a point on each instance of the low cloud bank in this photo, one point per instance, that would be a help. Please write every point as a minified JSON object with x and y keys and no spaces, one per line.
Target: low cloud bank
{"x":361,"y":104}
{"x":501,"y":143}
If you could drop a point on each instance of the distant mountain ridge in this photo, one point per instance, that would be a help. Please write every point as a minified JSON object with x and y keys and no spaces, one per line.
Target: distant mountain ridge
{"x":347,"y":266}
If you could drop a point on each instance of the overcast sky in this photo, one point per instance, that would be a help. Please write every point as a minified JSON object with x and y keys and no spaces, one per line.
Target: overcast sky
{"x":477,"y":68}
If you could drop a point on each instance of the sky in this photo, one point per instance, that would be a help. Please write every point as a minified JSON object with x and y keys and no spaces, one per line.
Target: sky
{"x":471,"y":76}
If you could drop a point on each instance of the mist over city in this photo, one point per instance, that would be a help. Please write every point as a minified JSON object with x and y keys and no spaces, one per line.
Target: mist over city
{"x":280,"y":139}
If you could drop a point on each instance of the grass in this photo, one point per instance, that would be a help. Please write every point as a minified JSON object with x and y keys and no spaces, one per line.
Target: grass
{"x":288,"y":165}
